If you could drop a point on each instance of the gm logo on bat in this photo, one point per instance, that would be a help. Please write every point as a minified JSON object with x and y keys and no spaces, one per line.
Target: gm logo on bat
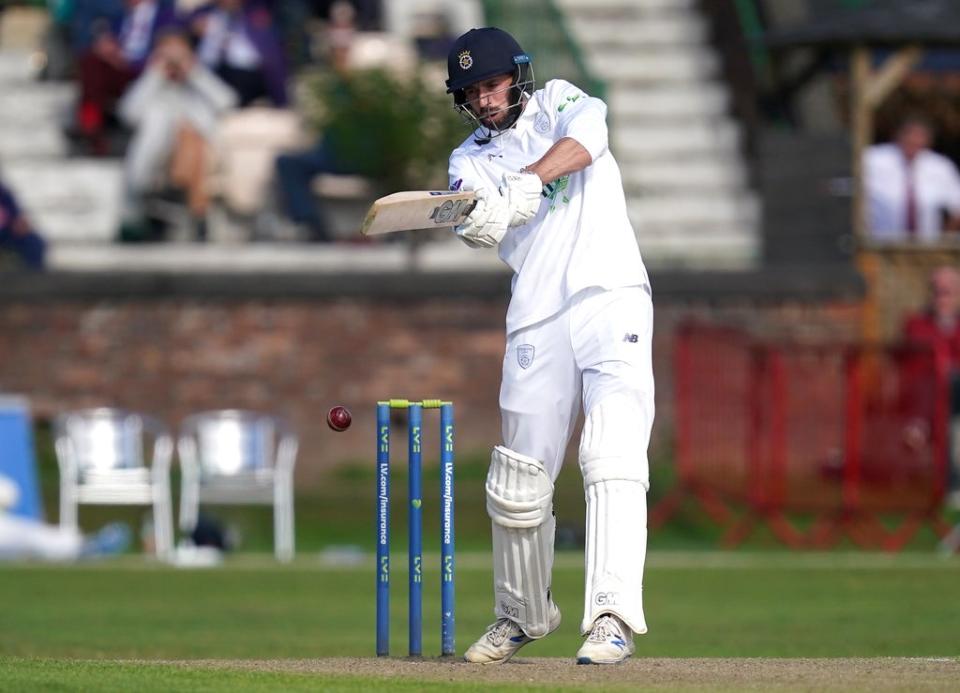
{"x":451,"y":210}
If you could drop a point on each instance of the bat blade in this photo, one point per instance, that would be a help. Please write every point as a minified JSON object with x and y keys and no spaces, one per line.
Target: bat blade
{"x":417,"y":209}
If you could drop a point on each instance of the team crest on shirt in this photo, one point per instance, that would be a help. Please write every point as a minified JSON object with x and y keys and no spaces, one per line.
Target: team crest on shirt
{"x":542,"y":123}
{"x":465,"y":60}
{"x":525,"y":355}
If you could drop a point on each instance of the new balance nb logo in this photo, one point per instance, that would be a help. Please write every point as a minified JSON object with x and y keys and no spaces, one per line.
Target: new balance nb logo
{"x":632,"y":338}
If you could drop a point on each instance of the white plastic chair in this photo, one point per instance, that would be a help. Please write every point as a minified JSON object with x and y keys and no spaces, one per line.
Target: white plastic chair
{"x":239,"y":457}
{"x":100,"y":453}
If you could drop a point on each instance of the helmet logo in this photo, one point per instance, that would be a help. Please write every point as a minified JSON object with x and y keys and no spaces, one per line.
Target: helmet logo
{"x":465,"y":60}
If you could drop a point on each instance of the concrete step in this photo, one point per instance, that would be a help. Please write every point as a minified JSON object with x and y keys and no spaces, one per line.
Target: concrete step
{"x":641,"y":65}
{"x":32,"y":103}
{"x":669,"y":100}
{"x":700,"y":247}
{"x":76,"y":199}
{"x":42,"y":141}
{"x":441,"y":256}
{"x":619,"y":8}
{"x":691,"y":208}
{"x":679,"y":151}
{"x":16,"y":67}
{"x":634,"y":144}
{"x":684,"y":174}
{"x":668,"y":30}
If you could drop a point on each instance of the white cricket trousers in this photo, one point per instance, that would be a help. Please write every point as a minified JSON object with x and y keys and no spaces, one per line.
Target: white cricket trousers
{"x":598,"y":345}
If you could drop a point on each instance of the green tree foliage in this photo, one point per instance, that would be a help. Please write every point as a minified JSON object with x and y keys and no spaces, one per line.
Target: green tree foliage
{"x":397,"y":130}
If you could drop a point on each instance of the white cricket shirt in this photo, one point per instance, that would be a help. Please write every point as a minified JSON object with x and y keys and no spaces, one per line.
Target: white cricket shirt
{"x":581,"y":236}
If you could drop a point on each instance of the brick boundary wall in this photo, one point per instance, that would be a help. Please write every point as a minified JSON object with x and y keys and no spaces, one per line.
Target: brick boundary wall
{"x":174,"y":347}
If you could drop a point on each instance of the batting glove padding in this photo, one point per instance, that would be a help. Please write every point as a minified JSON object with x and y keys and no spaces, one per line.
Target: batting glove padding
{"x":523,"y":192}
{"x":487,"y":223}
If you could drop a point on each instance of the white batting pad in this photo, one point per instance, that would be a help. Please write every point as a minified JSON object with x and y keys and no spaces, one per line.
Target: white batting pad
{"x":613,"y":459}
{"x":520,"y":504}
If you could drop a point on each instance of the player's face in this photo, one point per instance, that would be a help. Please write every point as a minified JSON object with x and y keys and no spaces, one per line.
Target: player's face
{"x":489,"y":99}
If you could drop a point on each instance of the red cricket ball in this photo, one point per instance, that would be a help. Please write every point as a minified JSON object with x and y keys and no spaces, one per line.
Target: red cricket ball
{"x":339,"y":418}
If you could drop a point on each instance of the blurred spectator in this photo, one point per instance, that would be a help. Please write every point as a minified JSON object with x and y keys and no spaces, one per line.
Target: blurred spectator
{"x":912,"y":193}
{"x":84,"y":16}
{"x":369,"y":12}
{"x":118,"y":51}
{"x":173,"y":108}
{"x":295,"y":175}
{"x":16,"y":233}
{"x":248,"y":142}
{"x":296,"y":171}
{"x":237,"y":40}
{"x":293,"y":29}
{"x":341,"y":31}
{"x":57,"y":42}
{"x":936,"y":328}
{"x":22,"y":538}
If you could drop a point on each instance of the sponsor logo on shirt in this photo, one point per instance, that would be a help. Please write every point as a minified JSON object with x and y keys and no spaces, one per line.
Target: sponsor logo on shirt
{"x":569,"y":100}
{"x":630,"y":337}
{"x":455,"y":185}
{"x":553,"y":191}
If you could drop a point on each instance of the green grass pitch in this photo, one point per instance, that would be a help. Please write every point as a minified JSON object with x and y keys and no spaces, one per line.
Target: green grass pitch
{"x":65,"y":628}
{"x":132,"y":624}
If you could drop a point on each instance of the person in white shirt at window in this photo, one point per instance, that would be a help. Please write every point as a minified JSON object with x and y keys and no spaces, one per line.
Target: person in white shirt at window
{"x":912,"y":193}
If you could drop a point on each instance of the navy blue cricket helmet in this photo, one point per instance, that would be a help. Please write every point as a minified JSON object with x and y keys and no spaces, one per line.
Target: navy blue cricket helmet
{"x":483,"y":53}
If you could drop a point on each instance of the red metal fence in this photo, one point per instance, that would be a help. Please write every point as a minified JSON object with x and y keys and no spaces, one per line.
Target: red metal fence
{"x":815,"y":441}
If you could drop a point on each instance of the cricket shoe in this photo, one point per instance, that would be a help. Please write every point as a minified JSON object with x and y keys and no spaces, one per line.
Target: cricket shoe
{"x":610,"y":642}
{"x":503,"y":639}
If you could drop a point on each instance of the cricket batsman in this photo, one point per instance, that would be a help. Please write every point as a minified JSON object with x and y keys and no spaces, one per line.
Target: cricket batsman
{"x":579,"y":328}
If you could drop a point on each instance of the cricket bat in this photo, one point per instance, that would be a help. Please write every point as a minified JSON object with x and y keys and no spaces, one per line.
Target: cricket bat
{"x":417,"y":209}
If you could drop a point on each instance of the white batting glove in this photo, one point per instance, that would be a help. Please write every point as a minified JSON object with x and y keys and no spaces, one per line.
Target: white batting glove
{"x":486,"y":225}
{"x":523,"y":192}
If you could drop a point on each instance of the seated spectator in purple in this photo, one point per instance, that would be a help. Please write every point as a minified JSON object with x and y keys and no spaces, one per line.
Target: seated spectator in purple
{"x":118,"y":51}
{"x":238,"y":41}
{"x":16,"y":233}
